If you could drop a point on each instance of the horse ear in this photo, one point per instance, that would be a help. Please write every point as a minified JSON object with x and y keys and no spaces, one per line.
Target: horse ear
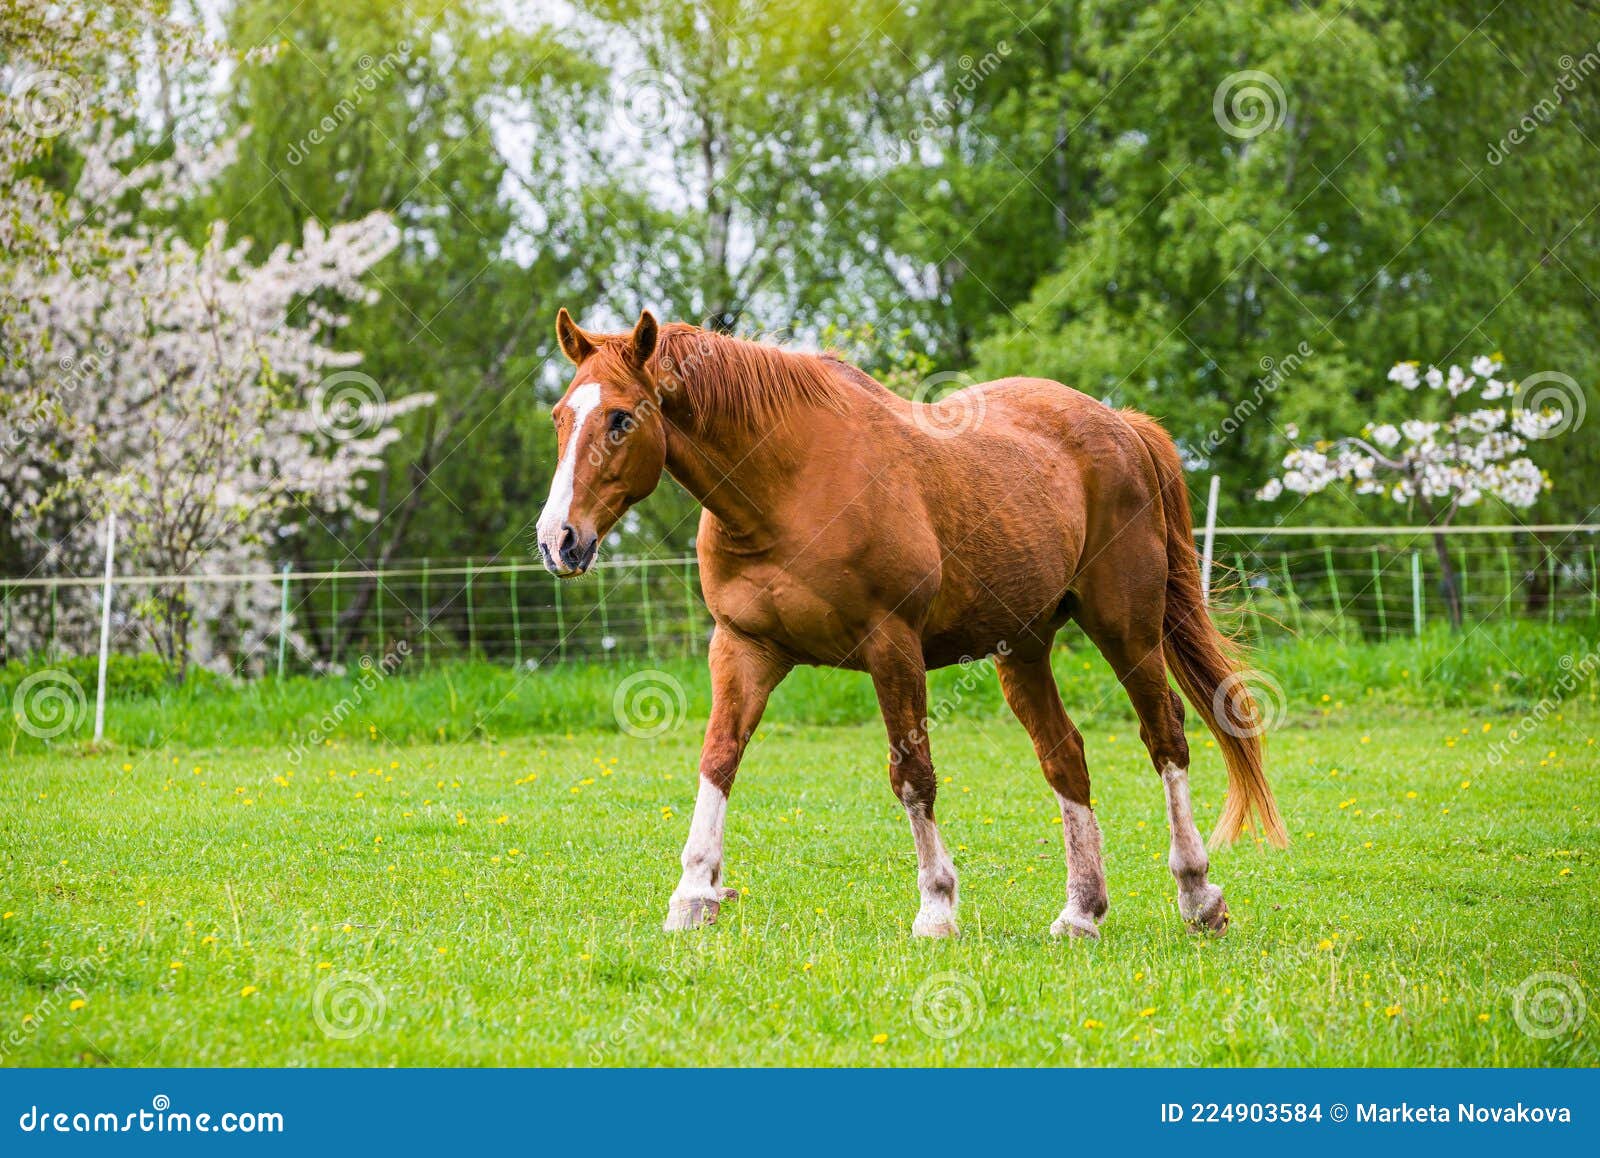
{"x":645,"y":332}
{"x":575,"y":344}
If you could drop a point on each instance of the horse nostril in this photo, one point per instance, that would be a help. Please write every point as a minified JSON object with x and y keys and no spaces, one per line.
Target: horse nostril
{"x":568,"y":549}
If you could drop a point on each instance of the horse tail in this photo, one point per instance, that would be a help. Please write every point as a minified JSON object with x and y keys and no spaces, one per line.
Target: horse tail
{"x":1209,"y":667}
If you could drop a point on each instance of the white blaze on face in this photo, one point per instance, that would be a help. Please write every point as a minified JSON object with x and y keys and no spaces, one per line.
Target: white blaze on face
{"x":582,"y":401}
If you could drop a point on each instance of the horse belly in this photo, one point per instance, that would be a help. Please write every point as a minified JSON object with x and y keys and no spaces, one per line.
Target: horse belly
{"x":1011,"y":609}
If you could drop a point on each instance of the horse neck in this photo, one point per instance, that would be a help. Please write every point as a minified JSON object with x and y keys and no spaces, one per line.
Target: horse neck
{"x":737,"y":474}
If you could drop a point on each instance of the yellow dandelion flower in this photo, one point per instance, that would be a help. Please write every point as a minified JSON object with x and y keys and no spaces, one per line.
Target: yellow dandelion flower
{"x":1148,"y":1011}
{"x":248,"y":990}
{"x":76,"y":1004}
{"x":1324,"y":945}
{"x":879,"y":1038}
{"x":1392,"y":1011}
{"x":1091,"y":1023}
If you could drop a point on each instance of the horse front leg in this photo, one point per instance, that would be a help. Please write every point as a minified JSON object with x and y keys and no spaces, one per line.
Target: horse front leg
{"x":900,"y":679}
{"x":743,"y":674}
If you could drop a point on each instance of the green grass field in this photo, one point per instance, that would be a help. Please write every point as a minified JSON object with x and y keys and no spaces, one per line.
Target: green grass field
{"x":498,"y":901}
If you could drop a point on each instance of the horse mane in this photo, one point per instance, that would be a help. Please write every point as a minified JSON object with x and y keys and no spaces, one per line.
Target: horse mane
{"x":747,"y":384}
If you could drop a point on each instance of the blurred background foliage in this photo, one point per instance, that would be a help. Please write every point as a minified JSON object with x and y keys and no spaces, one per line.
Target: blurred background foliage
{"x":979,"y":188}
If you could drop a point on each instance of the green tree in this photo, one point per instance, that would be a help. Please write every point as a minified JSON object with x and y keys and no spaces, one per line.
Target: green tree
{"x":371,"y":105}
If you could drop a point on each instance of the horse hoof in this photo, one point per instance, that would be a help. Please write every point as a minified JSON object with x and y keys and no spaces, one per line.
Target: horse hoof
{"x":934,"y":927}
{"x":695,"y":913}
{"x":1211,"y":918}
{"x":1074,"y":926}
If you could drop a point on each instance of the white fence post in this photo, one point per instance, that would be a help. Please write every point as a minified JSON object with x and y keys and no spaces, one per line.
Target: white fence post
{"x":105,"y":629}
{"x":1210,"y":539}
{"x":283,"y":619}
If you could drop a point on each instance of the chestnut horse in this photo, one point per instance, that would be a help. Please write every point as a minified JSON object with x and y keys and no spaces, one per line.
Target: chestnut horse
{"x":848,"y":527}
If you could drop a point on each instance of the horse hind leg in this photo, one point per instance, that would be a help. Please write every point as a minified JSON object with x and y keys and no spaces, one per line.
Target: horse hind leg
{"x":1030,"y":690}
{"x":1141,"y":666}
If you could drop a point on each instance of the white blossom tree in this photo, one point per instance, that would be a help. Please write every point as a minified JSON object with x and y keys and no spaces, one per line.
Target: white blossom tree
{"x":186,"y":389}
{"x":1469,"y":453}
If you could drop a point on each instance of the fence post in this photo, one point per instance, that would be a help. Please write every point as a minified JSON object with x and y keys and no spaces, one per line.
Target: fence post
{"x":335,"y":585}
{"x":605,"y":617}
{"x":283,"y":619}
{"x":1210,"y":539}
{"x":1594,"y":586}
{"x":50,"y":647}
{"x":1288,"y":586}
{"x":1505,"y":560}
{"x":649,"y":624}
{"x":1377,"y":586}
{"x":377,"y":597}
{"x":427,"y":619}
{"x":472,"y":619}
{"x":1416,"y":593}
{"x":1333,"y":584}
{"x":561,"y":622}
{"x":1249,"y":595}
{"x":1550,"y":586}
{"x":688,"y":602}
{"x":105,"y":630}
{"x":516,"y":619}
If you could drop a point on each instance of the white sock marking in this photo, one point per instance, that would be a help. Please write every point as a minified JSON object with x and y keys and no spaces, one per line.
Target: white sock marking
{"x":936,"y":872}
{"x":1086,"y":880}
{"x":702,"y":853}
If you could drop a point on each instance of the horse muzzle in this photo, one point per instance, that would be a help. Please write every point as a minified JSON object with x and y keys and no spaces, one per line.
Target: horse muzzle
{"x":573,"y":555}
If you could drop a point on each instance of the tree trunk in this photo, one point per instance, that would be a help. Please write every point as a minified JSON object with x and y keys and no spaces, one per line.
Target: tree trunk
{"x":1448,"y":581}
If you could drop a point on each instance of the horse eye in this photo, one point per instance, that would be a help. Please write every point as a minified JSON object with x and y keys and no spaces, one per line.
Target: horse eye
{"x":621,"y":422}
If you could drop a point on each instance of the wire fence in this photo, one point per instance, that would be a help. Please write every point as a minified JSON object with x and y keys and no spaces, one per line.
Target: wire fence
{"x":1354,"y":583}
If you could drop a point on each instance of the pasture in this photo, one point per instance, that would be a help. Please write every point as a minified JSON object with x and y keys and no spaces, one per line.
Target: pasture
{"x":456,"y":876}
